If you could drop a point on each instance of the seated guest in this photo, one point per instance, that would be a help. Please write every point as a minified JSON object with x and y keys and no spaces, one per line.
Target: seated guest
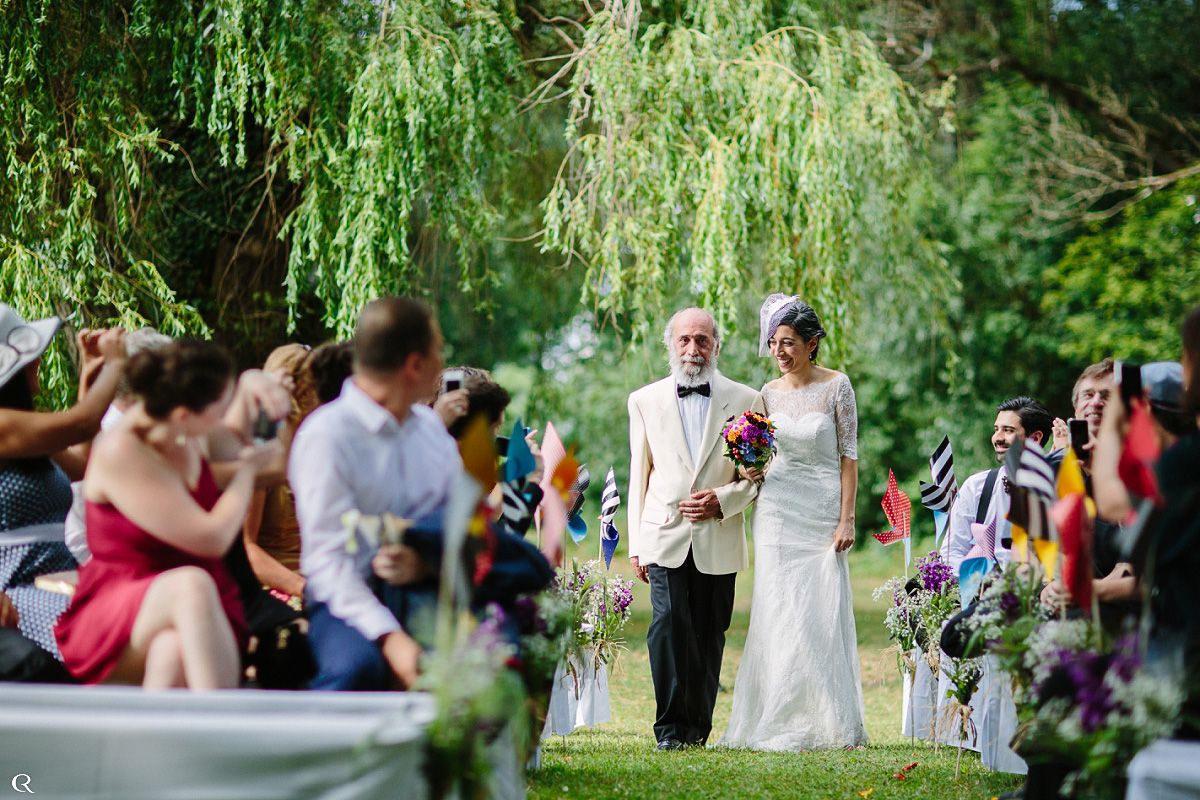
{"x":984,"y":496}
{"x":271,"y":532}
{"x":156,"y":604}
{"x":1113,"y":582}
{"x":76,"y":527}
{"x":330,"y":366}
{"x":38,"y":453}
{"x":374,"y":449}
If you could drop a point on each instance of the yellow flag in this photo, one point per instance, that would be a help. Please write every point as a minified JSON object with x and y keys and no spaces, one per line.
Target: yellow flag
{"x":1047,"y":553}
{"x":1020,"y":543}
{"x":1070,"y":476}
{"x":478,"y":450}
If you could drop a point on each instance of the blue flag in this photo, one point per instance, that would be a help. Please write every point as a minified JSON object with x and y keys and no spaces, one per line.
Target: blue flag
{"x":941,"y":524}
{"x":609,"y":535}
{"x":577,"y":527}
{"x":520,"y":458}
{"x":970,"y":577}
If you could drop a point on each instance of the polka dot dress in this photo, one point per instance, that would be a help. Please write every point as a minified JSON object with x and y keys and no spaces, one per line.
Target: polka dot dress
{"x":34,"y":492}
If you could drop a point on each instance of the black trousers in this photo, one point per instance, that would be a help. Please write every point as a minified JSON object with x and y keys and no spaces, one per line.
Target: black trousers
{"x":690,"y":612}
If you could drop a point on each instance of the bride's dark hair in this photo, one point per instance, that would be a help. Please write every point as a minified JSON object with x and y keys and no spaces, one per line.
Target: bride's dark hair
{"x":800,"y":317}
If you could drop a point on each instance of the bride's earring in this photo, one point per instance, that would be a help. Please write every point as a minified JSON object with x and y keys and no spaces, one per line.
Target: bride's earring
{"x":181,"y":440}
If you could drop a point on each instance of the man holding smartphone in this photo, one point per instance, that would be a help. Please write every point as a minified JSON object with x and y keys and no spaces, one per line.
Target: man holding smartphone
{"x":1091,"y":394}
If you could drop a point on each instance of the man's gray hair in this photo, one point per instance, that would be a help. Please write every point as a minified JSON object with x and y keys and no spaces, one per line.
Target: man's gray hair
{"x":670,"y":329}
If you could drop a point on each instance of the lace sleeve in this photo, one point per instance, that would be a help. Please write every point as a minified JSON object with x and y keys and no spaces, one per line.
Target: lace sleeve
{"x":845,"y":417}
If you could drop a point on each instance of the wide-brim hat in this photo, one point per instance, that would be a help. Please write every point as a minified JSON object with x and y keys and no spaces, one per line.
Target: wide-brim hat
{"x":21,"y":342}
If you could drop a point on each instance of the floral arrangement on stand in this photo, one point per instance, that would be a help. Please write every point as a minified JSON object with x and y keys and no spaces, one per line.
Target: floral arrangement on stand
{"x":1005,"y":617}
{"x":1091,"y":707}
{"x":1085,"y":705}
{"x":920,"y":607}
{"x":601,"y":606}
{"x":479,"y":692}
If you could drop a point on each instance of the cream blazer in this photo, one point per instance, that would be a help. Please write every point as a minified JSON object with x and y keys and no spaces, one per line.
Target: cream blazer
{"x":661,"y":474}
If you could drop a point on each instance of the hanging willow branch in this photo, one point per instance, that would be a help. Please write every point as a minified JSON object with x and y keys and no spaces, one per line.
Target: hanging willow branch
{"x":715,"y":154}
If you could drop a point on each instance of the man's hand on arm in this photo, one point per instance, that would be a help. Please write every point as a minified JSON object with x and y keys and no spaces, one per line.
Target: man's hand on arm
{"x":641,"y":572}
{"x":398,"y":565}
{"x":702,"y":505}
{"x":403,"y":656}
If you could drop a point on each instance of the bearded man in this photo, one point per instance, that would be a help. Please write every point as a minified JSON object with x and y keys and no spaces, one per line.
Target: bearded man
{"x":686,"y":536}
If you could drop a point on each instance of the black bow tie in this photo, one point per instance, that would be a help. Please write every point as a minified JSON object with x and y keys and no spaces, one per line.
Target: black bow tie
{"x":684,"y":391}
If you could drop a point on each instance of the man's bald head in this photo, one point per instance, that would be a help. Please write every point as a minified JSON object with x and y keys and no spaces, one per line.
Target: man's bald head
{"x":691,"y":319}
{"x":389,"y":330}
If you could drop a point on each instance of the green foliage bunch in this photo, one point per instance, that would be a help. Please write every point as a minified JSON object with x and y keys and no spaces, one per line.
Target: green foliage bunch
{"x":388,"y":116}
{"x":77,"y":187}
{"x":711,"y":152}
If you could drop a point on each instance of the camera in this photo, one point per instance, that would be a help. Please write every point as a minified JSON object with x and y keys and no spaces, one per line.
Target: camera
{"x":1080,"y":435}
{"x":452,"y":380}
{"x":265,"y":428}
{"x":1129,"y":380}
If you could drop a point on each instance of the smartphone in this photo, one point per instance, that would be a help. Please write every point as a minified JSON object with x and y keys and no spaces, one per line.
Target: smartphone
{"x":452,"y":380}
{"x":1080,"y":435}
{"x":1129,"y":379}
{"x":265,"y":428}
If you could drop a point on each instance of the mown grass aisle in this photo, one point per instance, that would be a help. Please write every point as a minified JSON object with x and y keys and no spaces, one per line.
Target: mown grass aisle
{"x":618,"y":760}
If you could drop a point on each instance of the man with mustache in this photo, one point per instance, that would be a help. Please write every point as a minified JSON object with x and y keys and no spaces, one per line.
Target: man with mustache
{"x":686,"y":534}
{"x":983,"y":497}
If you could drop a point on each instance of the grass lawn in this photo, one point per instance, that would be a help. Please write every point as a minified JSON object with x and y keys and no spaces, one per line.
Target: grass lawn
{"x":618,"y":760}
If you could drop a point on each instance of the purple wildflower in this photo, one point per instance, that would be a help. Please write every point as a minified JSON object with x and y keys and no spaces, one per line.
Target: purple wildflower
{"x":934,"y":573}
{"x":1010,"y":606}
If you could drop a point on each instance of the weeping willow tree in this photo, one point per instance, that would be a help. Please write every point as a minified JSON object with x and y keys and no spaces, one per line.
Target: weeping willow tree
{"x":168,"y":163}
{"x":718,"y":152}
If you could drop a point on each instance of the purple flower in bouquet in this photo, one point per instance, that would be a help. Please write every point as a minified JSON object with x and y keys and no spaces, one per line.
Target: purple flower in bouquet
{"x":1086,"y":671}
{"x":529,"y":619}
{"x":1010,"y":606}
{"x":934,"y":573}
{"x":490,"y":631}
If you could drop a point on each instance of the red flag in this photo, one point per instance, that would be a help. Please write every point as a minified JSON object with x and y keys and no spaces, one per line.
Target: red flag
{"x":1139,"y":454}
{"x":898,"y":509}
{"x":889,"y":537}
{"x":897,"y":506}
{"x":1075,"y":541}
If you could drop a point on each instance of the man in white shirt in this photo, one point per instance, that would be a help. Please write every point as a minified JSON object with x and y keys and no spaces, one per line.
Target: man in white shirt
{"x":374,"y":449}
{"x":686,"y":536}
{"x":983,"y":497}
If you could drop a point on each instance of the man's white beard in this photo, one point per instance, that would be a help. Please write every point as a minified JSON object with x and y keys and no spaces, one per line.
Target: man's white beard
{"x":692,"y":370}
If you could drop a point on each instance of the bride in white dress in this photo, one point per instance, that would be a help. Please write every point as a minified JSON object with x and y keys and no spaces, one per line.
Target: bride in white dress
{"x":798,"y":685}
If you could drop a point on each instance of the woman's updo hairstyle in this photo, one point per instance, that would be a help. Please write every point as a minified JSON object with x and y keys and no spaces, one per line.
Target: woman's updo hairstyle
{"x":800,"y":317}
{"x":190,"y":372}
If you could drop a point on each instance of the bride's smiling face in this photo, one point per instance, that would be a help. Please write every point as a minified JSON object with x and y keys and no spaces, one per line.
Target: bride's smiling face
{"x":790,"y":350}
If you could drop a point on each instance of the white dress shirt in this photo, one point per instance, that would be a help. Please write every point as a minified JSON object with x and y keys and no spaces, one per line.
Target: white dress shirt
{"x":693,"y":413}
{"x":959,"y":540}
{"x":352,"y":454}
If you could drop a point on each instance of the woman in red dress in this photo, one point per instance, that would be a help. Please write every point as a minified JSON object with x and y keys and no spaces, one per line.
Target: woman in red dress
{"x":155,"y":605}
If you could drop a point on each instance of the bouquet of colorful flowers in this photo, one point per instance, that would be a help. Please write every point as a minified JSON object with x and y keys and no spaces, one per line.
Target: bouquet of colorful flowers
{"x":749,"y":439}
{"x":1092,"y":707}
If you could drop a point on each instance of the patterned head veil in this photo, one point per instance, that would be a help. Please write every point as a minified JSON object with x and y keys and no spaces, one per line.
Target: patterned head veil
{"x":769,"y":316}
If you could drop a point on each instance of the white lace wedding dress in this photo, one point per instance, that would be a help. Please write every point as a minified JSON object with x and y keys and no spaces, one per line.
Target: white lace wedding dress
{"x":798,"y":685}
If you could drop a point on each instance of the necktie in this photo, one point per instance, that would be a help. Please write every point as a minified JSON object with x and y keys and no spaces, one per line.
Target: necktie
{"x":702,"y":389}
